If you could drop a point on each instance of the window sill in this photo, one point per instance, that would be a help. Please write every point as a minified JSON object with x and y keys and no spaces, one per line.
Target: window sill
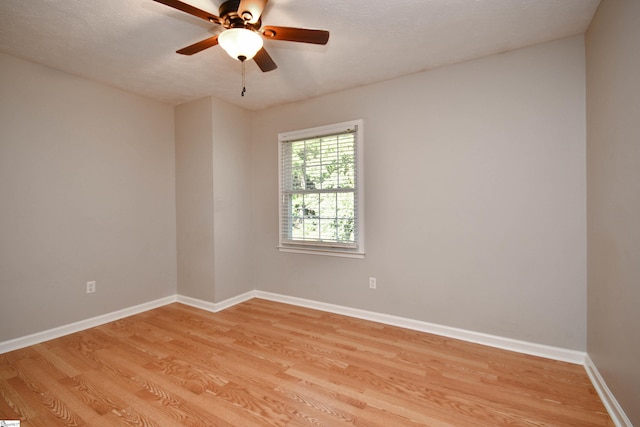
{"x":321,"y":251}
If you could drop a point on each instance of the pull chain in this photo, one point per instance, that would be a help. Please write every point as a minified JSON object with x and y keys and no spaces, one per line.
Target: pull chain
{"x":244,"y":89}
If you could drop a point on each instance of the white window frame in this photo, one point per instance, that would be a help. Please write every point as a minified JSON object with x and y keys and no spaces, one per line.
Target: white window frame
{"x":321,"y":248}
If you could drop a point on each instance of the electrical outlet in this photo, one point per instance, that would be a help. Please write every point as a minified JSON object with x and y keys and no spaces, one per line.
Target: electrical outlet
{"x":91,"y":287}
{"x":372,"y":282}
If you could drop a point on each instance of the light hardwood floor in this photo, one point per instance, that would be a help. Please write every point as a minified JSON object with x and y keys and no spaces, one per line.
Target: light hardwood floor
{"x":262,"y":363}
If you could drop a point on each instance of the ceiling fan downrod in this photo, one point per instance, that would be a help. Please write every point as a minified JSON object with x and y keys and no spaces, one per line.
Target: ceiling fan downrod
{"x":244,"y":88}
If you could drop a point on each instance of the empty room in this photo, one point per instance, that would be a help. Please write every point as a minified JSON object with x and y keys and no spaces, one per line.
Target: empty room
{"x":288,"y":213}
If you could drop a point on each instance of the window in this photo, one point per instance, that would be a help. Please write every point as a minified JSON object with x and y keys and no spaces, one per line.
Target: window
{"x":321,"y":190}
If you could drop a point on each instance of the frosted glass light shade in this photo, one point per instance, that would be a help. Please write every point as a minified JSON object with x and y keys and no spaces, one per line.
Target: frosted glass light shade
{"x":240,"y":43}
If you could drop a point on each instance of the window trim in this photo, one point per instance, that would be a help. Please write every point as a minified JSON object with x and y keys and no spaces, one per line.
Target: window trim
{"x":319,"y":248}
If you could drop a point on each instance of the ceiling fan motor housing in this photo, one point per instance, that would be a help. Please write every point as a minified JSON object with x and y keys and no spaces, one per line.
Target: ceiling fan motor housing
{"x":231,"y":19}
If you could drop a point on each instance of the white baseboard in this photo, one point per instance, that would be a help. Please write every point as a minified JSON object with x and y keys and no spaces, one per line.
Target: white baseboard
{"x":616,"y":412}
{"x":549,"y":352}
{"x":541,"y":350}
{"x":215,"y":307}
{"x":60,"y":331}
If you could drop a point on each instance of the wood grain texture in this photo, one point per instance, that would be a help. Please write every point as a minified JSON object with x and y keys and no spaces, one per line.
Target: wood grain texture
{"x":262,"y":363}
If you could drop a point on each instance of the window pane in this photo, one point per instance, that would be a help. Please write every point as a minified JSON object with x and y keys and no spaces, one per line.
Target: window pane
{"x":346,"y":165}
{"x":297,"y":165}
{"x":329,"y":165}
{"x":328,"y":218}
{"x":296,"y":214}
{"x":345,"y":214}
{"x":307,"y":207}
{"x":319,"y":189}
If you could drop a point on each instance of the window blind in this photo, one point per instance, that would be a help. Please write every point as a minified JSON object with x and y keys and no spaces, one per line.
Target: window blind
{"x":319,"y":190}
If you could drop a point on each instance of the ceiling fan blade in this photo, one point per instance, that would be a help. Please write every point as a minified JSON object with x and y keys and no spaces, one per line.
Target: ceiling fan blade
{"x":250,"y":10}
{"x":197,"y":47}
{"x":198,"y":13}
{"x":302,"y":35}
{"x":264,"y":61}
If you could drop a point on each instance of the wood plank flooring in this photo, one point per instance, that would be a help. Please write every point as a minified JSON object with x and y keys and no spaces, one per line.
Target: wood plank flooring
{"x":262,"y":363}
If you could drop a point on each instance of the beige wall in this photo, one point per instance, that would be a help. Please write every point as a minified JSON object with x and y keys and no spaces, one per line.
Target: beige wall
{"x":233,"y":216}
{"x":613,"y":153}
{"x":213,"y":175}
{"x":475,"y":197}
{"x":194,"y":200}
{"x":86,"y":193}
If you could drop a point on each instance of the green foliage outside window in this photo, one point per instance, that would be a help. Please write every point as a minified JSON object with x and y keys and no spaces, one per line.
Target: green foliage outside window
{"x":321,"y":193}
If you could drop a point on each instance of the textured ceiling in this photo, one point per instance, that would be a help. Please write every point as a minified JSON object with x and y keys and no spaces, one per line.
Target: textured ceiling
{"x":131,"y":44}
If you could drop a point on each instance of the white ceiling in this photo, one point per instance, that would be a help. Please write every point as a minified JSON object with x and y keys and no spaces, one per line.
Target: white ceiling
{"x":131,"y":44}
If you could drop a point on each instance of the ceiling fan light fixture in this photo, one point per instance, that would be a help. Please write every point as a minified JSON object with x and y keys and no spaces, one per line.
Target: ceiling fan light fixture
{"x":240,"y":43}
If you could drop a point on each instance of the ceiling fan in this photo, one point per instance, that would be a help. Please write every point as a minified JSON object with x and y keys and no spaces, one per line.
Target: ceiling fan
{"x":242,"y":37}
